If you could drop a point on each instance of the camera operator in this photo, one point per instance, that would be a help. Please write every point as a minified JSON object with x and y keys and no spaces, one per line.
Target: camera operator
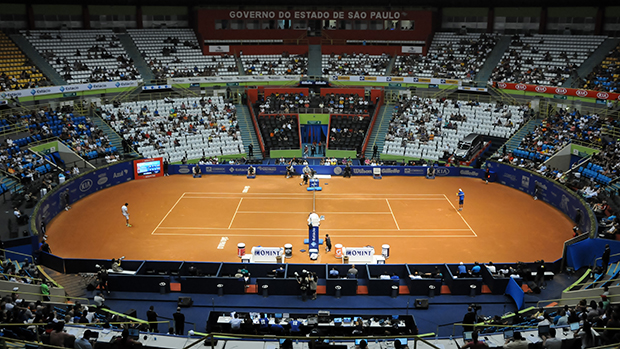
{"x":102,"y":277}
{"x":116,"y":265}
{"x":346,"y":173}
{"x":304,"y":283}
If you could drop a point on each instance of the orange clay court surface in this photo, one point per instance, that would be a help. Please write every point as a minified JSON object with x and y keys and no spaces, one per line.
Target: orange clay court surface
{"x":181,"y":218}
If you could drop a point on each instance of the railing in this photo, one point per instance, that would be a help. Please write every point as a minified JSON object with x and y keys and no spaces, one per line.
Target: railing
{"x":375,"y":115}
{"x":210,"y":338}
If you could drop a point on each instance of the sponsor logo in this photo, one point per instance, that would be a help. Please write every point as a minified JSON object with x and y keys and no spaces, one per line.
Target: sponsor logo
{"x":442,"y":171}
{"x":561,"y":91}
{"x":541,"y":89}
{"x":100,"y":85}
{"x":62,"y":89}
{"x":46,"y":207}
{"x":337,"y":170}
{"x":267,"y":168}
{"x":258,"y":77}
{"x":442,"y":81}
{"x":525,"y":181}
{"x":266,"y":253}
{"x":359,"y":252}
{"x":86,"y":185}
{"x":232,"y":170}
{"x":388,"y":170}
{"x":564,"y":203}
{"x":513,"y":178}
{"x":602,"y":95}
{"x":501,"y":85}
{"x":521,"y":87}
{"x":90,"y":86}
{"x":468,"y":173}
{"x":415,"y":80}
{"x":33,"y":92}
{"x":118,"y":84}
{"x":361,"y":171}
{"x":540,"y":185}
{"x":362,"y":78}
{"x":413,"y":171}
{"x":184,"y":169}
{"x":581,"y":93}
{"x":102,"y":179}
{"x":119,"y":174}
{"x":3,"y":95}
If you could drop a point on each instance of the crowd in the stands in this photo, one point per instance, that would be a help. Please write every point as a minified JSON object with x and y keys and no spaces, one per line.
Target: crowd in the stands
{"x":453,"y":60}
{"x":284,"y":65}
{"x":356,"y":64}
{"x":331,"y":103}
{"x":606,"y":75}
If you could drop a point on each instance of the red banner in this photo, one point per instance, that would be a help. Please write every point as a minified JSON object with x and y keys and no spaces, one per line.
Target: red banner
{"x":575,"y":92}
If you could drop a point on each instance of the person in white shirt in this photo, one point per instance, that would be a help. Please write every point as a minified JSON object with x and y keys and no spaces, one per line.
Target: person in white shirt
{"x":491,"y":268}
{"x":235,"y":323}
{"x":125,"y":214}
{"x":314,"y":220}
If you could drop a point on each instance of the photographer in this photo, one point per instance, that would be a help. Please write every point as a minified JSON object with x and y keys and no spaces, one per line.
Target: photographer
{"x":116,"y":265}
{"x":346,"y":173}
{"x":304,"y":283}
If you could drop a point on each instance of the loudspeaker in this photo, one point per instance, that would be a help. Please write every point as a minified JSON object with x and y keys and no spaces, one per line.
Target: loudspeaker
{"x":185,"y":302}
{"x":421,"y":303}
{"x":91,"y":286}
{"x":131,"y":312}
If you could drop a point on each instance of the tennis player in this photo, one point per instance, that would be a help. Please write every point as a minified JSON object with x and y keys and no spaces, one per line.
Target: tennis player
{"x":461,"y":196}
{"x":125,"y":214}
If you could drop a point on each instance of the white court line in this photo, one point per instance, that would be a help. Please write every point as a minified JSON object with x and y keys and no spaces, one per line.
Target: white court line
{"x":392,"y":212}
{"x":309,"y":198}
{"x":459,"y":212}
{"x":298,"y":229}
{"x":306,"y":194}
{"x":235,"y":215}
{"x":322,"y":212}
{"x":341,"y":236}
{"x":163,"y":219}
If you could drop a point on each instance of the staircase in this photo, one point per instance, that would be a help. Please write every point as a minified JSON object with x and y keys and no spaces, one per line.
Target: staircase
{"x":37,"y":59}
{"x":514,"y":141}
{"x":74,"y":284}
{"x":377,"y":135}
{"x":138,"y":61}
{"x":115,"y":139}
{"x":390,"y":66}
{"x":240,"y":66}
{"x":248,"y":133}
{"x":10,"y":185}
{"x":493,"y":59}
{"x":315,"y":60}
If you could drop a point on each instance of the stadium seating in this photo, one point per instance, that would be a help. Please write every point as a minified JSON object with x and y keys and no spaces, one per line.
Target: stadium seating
{"x":355,"y":64}
{"x":102,"y":57}
{"x":157,"y":128}
{"x":279,"y":131}
{"x":347,"y":132}
{"x":606,"y":75}
{"x":16,"y":72}
{"x":283,"y":64}
{"x":544,"y":59}
{"x":188,"y":59}
{"x":450,"y":56}
{"x":415,"y":131}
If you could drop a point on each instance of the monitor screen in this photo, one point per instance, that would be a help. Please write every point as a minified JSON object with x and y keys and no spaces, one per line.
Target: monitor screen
{"x":278,"y":315}
{"x":148,"y":168}
{"x":133,"y":332}
{"x":574,"y":326}
{"x":403,"y":341}
{"x":467,"y":335}
{"x":357,"y":341}
{"x":282,"y":340}
{"x":543,"y":330}
{"x":508,"y":334}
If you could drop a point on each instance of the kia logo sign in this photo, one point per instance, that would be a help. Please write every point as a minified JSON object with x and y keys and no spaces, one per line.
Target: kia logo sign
{"x":442,"y":171}
{"x":541,"y":89}
{"x":501,"y":84}
{"x":560,"y":91}
{"x":85,"y":185}
{"x":521,"y":87}
{"x":581,"y":93}
{"x":602,"y":95}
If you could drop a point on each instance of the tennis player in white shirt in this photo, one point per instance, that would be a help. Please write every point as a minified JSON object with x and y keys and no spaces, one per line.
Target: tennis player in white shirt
{"x":125,"y":214}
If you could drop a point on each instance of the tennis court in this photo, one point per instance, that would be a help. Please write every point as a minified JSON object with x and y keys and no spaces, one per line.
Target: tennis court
{"x":182,"y":218}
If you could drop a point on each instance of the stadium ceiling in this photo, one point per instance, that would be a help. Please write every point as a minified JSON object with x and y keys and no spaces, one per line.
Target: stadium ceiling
{"x":330,"y":4}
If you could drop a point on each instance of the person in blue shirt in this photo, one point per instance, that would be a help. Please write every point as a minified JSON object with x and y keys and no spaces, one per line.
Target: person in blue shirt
{"x":295,"y":326}
{"x":475,"y":270}
{"x":264,"y":323}
{"x":462,"y":270}
{"x":334,"y":273}
{"x":276,"y":328}
{"x":394,"y":276}
{"x":461,"y":196}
